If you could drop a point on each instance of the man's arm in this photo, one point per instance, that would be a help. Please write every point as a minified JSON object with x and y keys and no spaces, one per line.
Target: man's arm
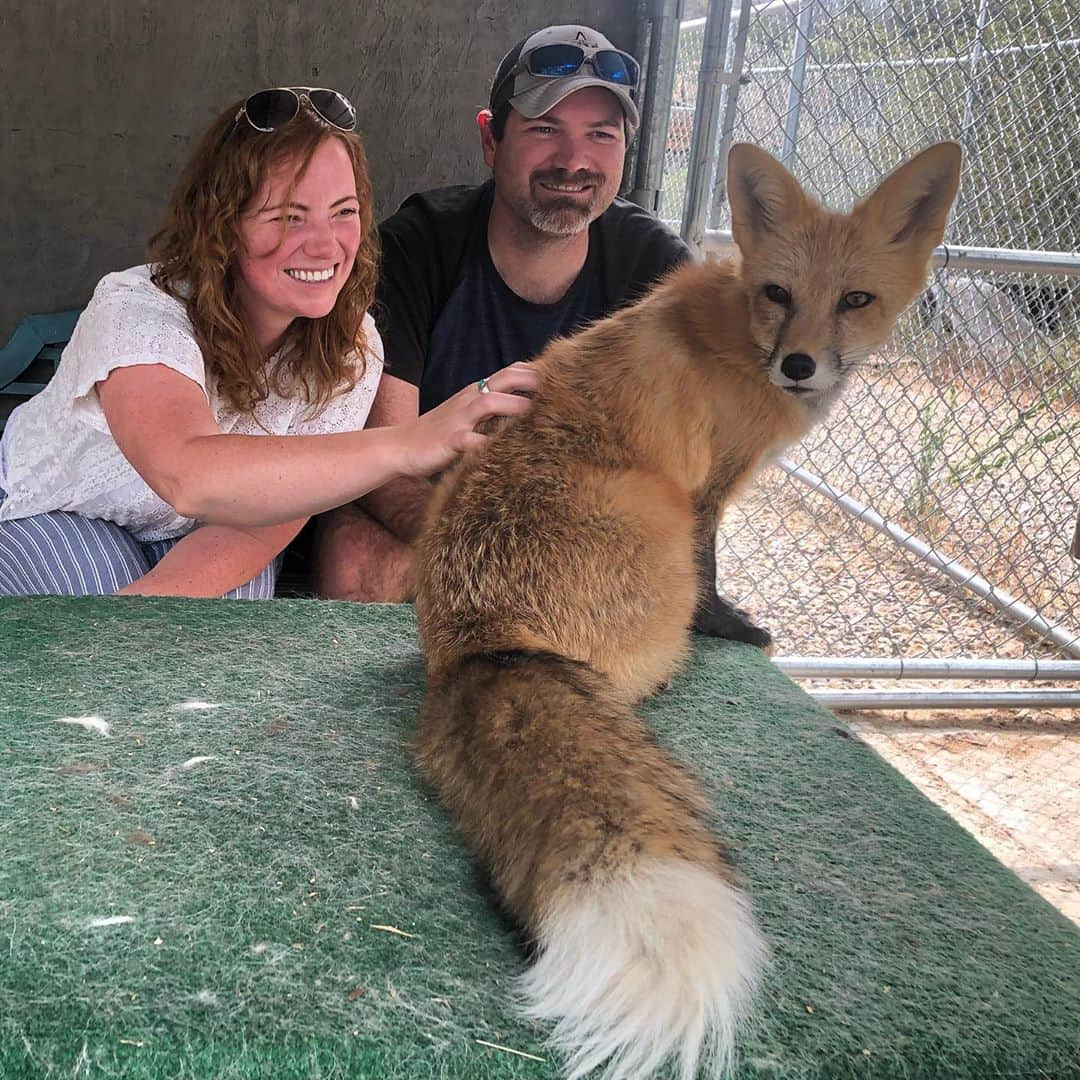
{"x":411,"y":291}
{"x":363,"y":551}
{"x":400,"y":505}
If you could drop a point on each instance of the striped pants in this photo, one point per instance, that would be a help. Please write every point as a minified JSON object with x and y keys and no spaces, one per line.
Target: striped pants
{"x":64,"y":554}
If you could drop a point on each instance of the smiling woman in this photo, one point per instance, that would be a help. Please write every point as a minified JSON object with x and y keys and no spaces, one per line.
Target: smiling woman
{"x":212,"y":400}
{"x":298,"y":243}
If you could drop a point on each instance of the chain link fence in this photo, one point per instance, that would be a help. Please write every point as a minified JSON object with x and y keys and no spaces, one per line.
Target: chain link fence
{"x":965,"y":431}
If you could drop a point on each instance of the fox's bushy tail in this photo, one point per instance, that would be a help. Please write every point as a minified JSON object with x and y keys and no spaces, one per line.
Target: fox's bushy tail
{"x":596,"y":841}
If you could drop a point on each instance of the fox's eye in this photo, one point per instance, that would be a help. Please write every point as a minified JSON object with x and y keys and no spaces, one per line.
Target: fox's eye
{"x":778,"y":294}
{"x":856,"y":299}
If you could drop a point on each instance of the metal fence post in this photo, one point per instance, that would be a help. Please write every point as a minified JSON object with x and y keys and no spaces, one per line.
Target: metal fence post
{"x":803,"y":31}
{"x":731,"y":105}
{"x":661,"y":22}
{"x":976,"y":59}
{"x":704,"y":146}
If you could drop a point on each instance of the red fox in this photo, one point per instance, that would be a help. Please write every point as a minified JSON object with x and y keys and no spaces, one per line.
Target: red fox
{"x":563,"y":566}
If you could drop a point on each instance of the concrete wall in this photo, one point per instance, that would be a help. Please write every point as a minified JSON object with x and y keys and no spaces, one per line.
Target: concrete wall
{"x":100,"y":101}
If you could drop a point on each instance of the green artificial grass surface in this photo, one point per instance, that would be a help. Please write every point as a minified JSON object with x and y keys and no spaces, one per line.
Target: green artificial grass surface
{"x":254,"y":883}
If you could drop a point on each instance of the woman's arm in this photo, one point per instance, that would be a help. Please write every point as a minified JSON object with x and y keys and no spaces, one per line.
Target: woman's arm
{"x":163,"y":425}
{"x":214,"y":559}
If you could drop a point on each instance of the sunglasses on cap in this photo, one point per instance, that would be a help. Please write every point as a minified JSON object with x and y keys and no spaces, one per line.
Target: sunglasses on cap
{"x":562,"y":60}
{"x":268,"y":110}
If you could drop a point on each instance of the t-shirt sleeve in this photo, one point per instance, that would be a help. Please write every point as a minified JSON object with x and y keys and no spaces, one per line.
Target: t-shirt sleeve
{"x":348,"y":411}
{"x":640,"y":250}
{"x":667,"y":251}
{"x":405,"y":297}
{"x":129,"y":321}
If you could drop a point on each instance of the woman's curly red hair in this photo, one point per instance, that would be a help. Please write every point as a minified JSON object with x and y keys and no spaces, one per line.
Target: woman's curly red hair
{"x":194,"y":259}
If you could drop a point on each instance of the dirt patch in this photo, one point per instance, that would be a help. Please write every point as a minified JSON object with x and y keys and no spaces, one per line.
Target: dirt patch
{"x":1013,"y":781}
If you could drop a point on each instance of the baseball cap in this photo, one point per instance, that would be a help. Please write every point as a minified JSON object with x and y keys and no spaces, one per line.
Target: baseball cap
{"x":533,"y":95}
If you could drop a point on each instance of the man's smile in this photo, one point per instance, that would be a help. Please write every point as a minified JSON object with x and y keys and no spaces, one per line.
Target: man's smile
{"x":564,"y":189}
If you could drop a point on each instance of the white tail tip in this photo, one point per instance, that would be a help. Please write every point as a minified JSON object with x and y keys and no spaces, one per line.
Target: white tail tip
{"x":660,"y":965}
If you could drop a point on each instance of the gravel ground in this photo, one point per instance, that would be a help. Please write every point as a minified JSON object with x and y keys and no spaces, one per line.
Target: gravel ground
{"x":1010,"y":778}
{"x":826,"y":583}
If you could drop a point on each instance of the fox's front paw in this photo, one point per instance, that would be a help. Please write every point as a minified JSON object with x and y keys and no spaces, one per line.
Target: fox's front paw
{"x":717,"y":618}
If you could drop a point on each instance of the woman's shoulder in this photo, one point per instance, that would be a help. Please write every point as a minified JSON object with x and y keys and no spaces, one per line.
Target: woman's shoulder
{"x":372,"y":344}
{"x":128,"y":306}
{"x":129,"y":320}
{"x":135,"y":287}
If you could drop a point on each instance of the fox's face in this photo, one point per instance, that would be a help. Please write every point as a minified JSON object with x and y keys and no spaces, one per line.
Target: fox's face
{"x":826,"y":288}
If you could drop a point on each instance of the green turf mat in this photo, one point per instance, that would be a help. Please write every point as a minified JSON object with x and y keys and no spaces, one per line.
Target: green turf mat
{"x":251,"y":817}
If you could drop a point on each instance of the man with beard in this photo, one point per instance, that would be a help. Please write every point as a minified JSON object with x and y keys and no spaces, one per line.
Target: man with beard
{"x":474,"y":278}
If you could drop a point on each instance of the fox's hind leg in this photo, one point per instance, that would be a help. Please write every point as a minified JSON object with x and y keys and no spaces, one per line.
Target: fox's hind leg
{"x":646,"y":630}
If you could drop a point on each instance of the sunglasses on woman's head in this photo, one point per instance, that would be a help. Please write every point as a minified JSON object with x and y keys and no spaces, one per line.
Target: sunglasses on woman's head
{"x":268,"y":110}
{"x":561,"y":61}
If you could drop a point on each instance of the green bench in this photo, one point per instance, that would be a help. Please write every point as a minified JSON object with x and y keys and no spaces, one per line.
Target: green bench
{"x":215,"y":862}
{"x":36,"y":338}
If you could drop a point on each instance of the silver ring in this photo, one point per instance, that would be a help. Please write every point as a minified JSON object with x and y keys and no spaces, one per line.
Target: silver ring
{"x":482,"y":386}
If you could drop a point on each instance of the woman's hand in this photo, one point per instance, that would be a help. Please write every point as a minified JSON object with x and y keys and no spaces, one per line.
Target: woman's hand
{"x":433,"y":441}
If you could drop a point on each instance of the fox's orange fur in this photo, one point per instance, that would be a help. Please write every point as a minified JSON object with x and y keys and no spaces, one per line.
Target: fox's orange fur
{"x":561,"y":572}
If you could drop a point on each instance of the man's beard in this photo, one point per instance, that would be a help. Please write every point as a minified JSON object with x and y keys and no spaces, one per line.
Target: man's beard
{"x":566,"y":216}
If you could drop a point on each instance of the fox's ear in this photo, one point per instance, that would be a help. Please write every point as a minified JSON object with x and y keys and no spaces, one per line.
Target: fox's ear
{"x":911,"y":205}
{"x":763,"y":195}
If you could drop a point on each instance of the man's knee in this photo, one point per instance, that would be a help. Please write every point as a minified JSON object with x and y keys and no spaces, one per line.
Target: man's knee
{"x":357,"y":558}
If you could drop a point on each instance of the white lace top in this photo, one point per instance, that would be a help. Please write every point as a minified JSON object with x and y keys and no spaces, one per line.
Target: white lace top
{"x":57,"y":452}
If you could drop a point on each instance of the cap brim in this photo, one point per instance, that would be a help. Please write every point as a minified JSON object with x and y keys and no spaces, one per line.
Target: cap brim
{"x":547,"y":93}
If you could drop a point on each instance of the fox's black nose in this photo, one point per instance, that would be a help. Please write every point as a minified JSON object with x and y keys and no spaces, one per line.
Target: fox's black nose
{"x":798,"y":366}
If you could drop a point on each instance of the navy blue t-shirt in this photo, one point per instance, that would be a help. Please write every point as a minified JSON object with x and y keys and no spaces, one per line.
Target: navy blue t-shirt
{"x":446,"y":316}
